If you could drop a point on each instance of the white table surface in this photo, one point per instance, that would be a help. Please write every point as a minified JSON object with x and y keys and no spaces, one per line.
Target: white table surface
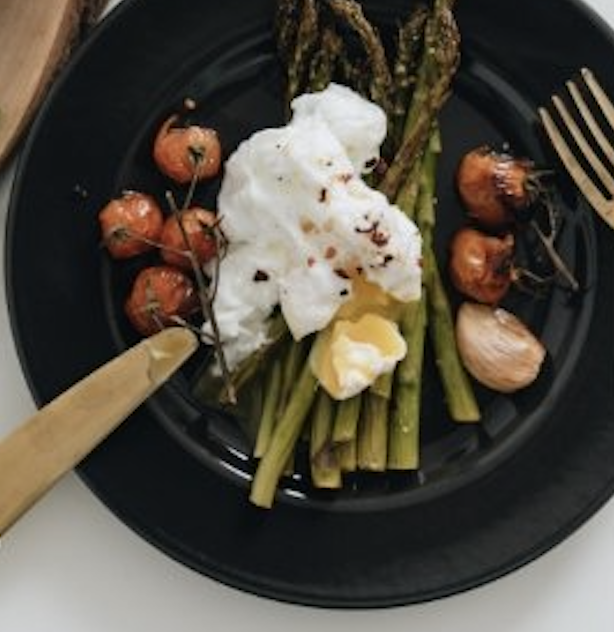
{"x":70,"y":566}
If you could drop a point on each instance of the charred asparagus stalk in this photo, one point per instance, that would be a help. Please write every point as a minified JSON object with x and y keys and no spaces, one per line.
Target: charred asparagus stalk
{"x":297,"y":43}
{"x":410,"y":40}
{"x":325,"y":59}
{"x":381,"y":80}
{"x":460,"y":399}
{"x":437,"y":68}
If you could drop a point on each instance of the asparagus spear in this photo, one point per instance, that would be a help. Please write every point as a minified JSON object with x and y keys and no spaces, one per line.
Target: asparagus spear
{"x":293,"y":359}
{"x":403,"y":445}
{"x":347,"y":454}
{"x":437,"y":68}
{"x":373,"y":425}
{"x":286,"y":27}
{"x":346,"y":420}
{"x":248,"y":368}
{"x":298,"y":58}
{"x":457,"y":387}
{"x":405,"y":70}
{"x":372,"y":447}
{"x":416,"y":200}
{"x":290,"y":370}
{"x":287,"y":431}
{"x":382,"y":386}
{"x":323,"y":63}
{"x":425,"y":206}
{"x":403,"y":451}
{"x":324,"y":459}
{"x":407,"y":197}
{"x":439,"y":63}
{"x":269,"y":409}
{"x":354,"y":74}
{"x":381,"y":79}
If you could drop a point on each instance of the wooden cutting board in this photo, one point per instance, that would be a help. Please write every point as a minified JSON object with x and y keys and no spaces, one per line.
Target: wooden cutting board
{"x":36,"y":37}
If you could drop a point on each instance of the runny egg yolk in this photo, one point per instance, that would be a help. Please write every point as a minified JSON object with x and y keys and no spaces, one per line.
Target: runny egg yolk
{"x":362,"y":343}
{"x":369,"y":298}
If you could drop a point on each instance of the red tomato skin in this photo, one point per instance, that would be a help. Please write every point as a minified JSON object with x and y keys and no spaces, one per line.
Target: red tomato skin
{"x":198,"y":224}
{"x":176,"y":148}
{"x":494,"y":187}
{"x":130,"y":223}
{"x":159,"y":293}
{"x":480,"y":265}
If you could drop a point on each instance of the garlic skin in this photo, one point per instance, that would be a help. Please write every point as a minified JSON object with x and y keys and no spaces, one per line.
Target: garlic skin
{"x":496,"y":348}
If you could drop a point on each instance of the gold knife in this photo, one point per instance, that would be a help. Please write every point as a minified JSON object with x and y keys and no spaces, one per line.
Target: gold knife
{"x":39,"y":451}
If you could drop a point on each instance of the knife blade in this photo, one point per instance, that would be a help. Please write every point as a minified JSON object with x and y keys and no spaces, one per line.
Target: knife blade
{"x":50,"y":443}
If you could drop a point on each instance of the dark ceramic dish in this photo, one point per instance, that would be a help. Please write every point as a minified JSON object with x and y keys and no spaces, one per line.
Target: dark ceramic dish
{"x":488,"y":498}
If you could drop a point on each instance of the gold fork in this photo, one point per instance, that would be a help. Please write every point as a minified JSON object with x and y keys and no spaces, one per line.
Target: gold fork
{"x":598,"y":188}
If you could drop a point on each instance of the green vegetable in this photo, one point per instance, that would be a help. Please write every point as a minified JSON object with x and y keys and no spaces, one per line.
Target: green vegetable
{"x":281,"y":446}
{"x":403,"y":445}
{"x":381,"y":427}
{"x":460,"y":399}
{"x":372,"y":445}
{"x":298,"y":53}
{"x":346,"y":420}
{"x":250,"y":366}
{"x":270,"y":405}
{"x":380,"y":87}
{"x":437,"y":68}
{"x":324,"y":458}
{"x":325,"y":60}
{"x":410,"y":40}
{"x":347,"y":453}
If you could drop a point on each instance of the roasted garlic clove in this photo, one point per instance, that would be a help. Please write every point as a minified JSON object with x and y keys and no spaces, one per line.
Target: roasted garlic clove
{"x":497,"y":348}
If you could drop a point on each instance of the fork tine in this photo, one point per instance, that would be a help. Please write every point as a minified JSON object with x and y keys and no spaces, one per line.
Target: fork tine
{"x":583,"y":145}
{"x":590,"y":121}
{"x":575,"y":169}
{"x":599,"y":95}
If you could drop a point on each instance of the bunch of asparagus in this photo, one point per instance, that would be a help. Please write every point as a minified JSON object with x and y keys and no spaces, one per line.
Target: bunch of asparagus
{"x":320,"y":41}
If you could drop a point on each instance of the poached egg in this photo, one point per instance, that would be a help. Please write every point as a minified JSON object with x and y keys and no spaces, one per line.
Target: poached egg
{"x":303,"y":226}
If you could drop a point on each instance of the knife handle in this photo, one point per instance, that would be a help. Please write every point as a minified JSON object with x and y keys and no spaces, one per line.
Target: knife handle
{"x":40,"y":450}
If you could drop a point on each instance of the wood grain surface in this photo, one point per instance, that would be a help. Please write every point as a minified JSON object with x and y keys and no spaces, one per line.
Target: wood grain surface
{"x":36,"y":38}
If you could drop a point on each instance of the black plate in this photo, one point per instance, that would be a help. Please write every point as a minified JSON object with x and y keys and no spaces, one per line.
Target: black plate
{"x":489,"y":498}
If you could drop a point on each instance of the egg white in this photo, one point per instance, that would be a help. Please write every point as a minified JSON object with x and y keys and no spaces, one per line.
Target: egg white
{"x":300,"y":220}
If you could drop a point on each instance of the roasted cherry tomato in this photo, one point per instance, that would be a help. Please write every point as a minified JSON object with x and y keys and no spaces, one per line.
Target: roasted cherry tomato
{"x":158,"y":294}
{"x":495,"y":187}
{"x":481,"y":265}
{"x":130,"y":224}
{"x":183,"y":153}
{"x":198,"y":225}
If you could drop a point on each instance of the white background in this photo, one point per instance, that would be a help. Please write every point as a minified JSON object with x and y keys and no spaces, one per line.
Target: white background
{"x":70,"y":566}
